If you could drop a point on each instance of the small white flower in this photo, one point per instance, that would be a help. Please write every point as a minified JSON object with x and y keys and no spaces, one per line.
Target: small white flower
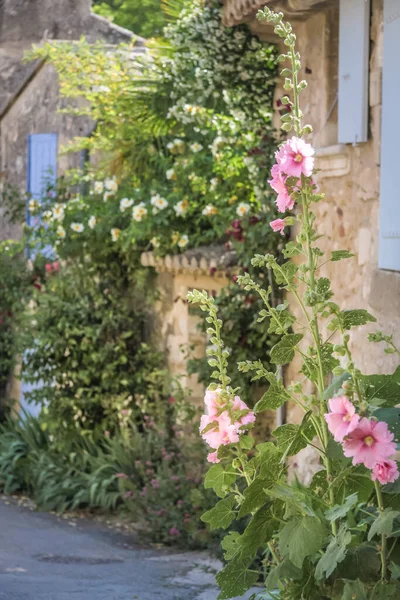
{"x":125,"y":203}
{"x":213,"y":184}
{"x":196,"y":147}
{"x":181,"y":207}
{"x":61,"y":232}
{"x":98,"y":187}
{"x":242,"y":209}
{"x":115,"y":233}
{"x":58,"y":212}
{"x":47,"y":216}
{"x":170,"y":174}
{"x":183,"y":241}
{"x":107,"y":195}
{"x":158,"y":202}
{"x":139,"y":212}
{"x":111,"y":185}
{"x":154,"y":241}
{"x":92,"y":222}
{"x":78,"y":227}
{"x":33,"y":205}
{"x":209,"y":210}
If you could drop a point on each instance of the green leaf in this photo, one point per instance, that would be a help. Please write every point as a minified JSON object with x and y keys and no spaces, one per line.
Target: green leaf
{"x":355,"y":318}
{"x":384,"y":591}
{"x":335,"y":386}
{"x":290,"y":438}
{"x":362,"y":562}
{"x":285,"y":570}
{"x":285,"y":273}
{"x":334,"y":554}
{"x":219,"y":480}
{"x":254,"y":496}
{"x":340,"y":510}
{"x":283,"y":352}
{"x":329,"y":362}
{"x":291,"y":249}
{"x":383,"y":525}
{"x":235,"y":579}
{"x":385,"y":388}
{"x":274,"y":397}
{"x":268,"y":460}
{"x":391,"y":416}
{"x":301,"y":537}
{"x":222,"y":515}
{"x":340,"y":254}
{"x":354,"y":590}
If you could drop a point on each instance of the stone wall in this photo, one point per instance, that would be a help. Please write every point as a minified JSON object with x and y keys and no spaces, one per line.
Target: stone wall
{"x":349,"y":176}
{"x":36,"y":111}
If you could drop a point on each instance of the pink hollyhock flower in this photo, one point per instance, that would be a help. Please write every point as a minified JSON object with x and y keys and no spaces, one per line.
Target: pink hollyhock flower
{"x":296,"y":157}
{"x":369,"y":443}
{"x":48,"y":267}
{"x":213,"y":458}
{"x":284,"y":201}
{"x":211,"y":401}
{"x":122,"y":476}
{"x":238,"y":404}
{"x":155,"y":484}
{"x":174,"y":532}
{"x":342,"y":419}
{"x":278,"y":225}
{"x":385,"y":472}
{"x":224,"y":432}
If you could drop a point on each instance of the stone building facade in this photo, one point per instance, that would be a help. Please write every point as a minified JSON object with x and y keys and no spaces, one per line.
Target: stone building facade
{"x":29,"y":92}
{"x":350,"y":216}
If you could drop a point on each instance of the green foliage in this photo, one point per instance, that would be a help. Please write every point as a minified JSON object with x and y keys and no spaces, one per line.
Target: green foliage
{"x":15,"y":291}
{"x":300,"y":538}
{"x":144,"y":17}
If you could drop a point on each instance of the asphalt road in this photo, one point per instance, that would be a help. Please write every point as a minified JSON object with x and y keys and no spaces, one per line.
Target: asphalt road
{"x":44,"y":557}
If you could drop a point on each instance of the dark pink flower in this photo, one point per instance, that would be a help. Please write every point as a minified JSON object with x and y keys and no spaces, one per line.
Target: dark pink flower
{"x":174,"y":532}
{"x":385,"y":472}
{"x":369,"y":443}
{"x":342,"y":418}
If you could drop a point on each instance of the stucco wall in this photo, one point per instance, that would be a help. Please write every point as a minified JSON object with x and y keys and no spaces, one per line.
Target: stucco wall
{"x":36,"y":111}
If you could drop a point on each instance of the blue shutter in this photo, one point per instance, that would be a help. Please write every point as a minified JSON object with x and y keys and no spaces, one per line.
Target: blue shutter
{"x":42,"y":163}
{"x":353,"y":71}
{"x":389,"y":210}
{"x":42,"y":171}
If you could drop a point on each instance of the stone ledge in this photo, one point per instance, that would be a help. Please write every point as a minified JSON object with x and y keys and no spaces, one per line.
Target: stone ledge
{"x":333,"y":161}
{"x":198,"y":261}
{"x":239,"y":11}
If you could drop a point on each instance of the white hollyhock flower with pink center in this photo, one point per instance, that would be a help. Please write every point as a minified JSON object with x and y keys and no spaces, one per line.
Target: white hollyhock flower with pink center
{"x":342,"y":418}
{"x":296,"y":158}
{"x":369,"y":443}
{"x":385,"y":472}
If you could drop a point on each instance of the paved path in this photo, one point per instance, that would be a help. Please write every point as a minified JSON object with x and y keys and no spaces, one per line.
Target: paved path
{"x":43,"y":557}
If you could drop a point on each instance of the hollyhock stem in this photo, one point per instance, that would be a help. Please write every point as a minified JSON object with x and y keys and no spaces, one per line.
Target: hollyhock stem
{"x":383,"y":551}
{"x":317,"y":340}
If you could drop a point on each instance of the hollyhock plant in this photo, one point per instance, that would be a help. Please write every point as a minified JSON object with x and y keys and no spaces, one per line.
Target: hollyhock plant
{"x":369,"y":443}
{"x":334,"y":534}
{"x":342,"y":418}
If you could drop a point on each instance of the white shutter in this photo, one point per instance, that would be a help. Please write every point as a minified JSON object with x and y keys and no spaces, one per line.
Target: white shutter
{"x":353,"y":71}
{"x":389,"y":215}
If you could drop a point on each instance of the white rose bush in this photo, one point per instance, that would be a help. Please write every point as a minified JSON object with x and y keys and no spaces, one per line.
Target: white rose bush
{"x":336,"y":539}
